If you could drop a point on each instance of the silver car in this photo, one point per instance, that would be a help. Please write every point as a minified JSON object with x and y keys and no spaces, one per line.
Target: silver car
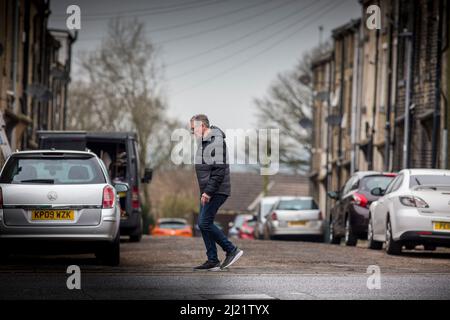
{"x":62,"y":199}
{"x":294,"y":216}
{"x":414,"y":210}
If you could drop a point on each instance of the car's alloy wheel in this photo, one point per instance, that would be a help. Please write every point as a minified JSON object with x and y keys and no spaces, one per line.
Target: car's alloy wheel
{"x":371,"y":243}
{"x":392,"y":247}
{"x":350,"y":238}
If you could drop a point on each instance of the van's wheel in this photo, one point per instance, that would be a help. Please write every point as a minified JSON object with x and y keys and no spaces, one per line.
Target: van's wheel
{"x":350,"y":239}
{"x":136,"y":234}
{"x":371,"y":243}
{"x":332,"y":238}
{"x":110,"y":253}
{"x":392,"y":247}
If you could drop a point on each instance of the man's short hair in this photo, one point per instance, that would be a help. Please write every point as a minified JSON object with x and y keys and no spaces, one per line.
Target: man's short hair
{"x":201,"y":117}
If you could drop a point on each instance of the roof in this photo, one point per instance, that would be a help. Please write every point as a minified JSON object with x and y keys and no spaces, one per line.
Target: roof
{"x":247,"y":189}
{"x":426,"y":171}
{"x":349,"y":27}
{"x":54,"y":151}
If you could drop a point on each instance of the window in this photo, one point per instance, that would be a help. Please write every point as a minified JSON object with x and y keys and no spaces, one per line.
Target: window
{"x":297,"y":204}
{"x":395,"y":184}
{"x":371,"y":182}
{"x":429,"y":180}
{"x":60,"y":170}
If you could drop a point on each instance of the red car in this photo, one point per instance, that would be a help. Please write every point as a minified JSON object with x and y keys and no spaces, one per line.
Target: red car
{"x":246,"y":231}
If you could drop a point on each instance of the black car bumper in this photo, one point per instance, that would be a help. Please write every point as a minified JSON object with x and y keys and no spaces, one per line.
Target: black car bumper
{"x":427,"y":238}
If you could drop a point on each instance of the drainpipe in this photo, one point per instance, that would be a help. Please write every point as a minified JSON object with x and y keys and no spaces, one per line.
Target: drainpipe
{"x":374,"y":106}
{"x":341,"y":110}
{"x":407,"y":122}
{"x":355,"y":88}
{"x":15,"y":51}
{"x":437,"y":97}
{"x":388,"y":140}
{"x":446,"y":157}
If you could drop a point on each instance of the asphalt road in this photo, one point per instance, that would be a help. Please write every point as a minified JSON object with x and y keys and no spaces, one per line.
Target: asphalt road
{"x":161,"y":268}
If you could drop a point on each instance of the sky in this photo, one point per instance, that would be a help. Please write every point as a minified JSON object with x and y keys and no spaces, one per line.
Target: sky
{"x":219,"y":55}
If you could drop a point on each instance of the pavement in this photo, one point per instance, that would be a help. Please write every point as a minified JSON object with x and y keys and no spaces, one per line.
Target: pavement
{"x":161,"y":268}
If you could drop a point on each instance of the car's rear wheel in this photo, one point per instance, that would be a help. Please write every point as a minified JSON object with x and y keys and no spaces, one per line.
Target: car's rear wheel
{"x":350,"y":239}
{"x":332,"y":238}
{"x":392,"y":247}
{"x":371,"y":243}
{"x":110,"y":253}
{"x":136,"y":234}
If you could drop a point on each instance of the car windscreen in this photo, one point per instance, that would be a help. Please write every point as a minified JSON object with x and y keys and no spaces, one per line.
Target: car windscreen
{"x":429,"y":180}
{"x":52,"y":170}
{"x":297,"y":204}
{"x":265,"y":209}
{"x":369,"y":183}
{"x":172,"y":225}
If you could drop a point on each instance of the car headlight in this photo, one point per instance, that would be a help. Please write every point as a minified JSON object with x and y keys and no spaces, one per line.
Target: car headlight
{"x":411,"y":201}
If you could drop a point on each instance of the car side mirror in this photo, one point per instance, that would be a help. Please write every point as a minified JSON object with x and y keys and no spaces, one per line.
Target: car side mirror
{"x":378,"y":192}
{"x":148,"y":175}
{"x":121,"y":187}
{"x":333,"y":195}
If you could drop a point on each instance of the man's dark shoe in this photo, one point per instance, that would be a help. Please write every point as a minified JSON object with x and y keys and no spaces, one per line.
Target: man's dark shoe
{"x":208,"y":266}
{"x":231,"y":258}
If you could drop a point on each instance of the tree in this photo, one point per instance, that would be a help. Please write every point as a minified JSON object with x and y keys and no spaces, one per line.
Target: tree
{"x":121,"y":91}
{"x":288,"y":102}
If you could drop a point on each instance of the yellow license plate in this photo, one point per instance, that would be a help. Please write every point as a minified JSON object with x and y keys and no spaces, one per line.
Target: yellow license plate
{"x":296,"y":223}
{"x":441,"y":226}
{"x":53,"y":215}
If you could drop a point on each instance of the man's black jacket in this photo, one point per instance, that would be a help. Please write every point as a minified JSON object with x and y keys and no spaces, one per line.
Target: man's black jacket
{"x":211,"y":164}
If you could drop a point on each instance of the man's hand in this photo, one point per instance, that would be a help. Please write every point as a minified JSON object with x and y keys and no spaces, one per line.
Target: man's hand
{"x":205,"y":199}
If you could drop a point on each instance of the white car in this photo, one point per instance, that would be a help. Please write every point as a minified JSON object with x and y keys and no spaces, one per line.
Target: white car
{"x":264,"y":207}
{"x":414,"y":210}
{"x":60,"y":200}
{"x":294,"y":216}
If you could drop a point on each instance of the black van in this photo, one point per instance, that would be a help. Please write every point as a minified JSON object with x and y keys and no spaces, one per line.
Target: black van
{"x":119,"y":152}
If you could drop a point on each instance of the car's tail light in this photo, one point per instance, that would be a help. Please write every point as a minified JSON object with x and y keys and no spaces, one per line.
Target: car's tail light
{"x":274,"y":216}
{"x":108,"y":197}
{"x":411,"y":201}
{"x":135,"y":198}
{"x":321,"y":215}
{"x":360,"y":200}
{"x":390,"y":174}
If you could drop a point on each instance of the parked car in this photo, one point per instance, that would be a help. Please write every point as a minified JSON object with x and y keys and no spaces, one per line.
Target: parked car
{"x":264,"y":207}
{"x":62,"y":199}
{"x":239,"y":220}
{"x":119,"y":152}
{"x":172,"y":227}
{"x":294,"y":216}
{"x":414,"y":210}
{"x":349,"y":217}
{"x":246,"y":231}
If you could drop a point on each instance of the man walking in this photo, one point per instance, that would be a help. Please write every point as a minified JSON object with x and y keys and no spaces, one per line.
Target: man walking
{"x":213,"y":175}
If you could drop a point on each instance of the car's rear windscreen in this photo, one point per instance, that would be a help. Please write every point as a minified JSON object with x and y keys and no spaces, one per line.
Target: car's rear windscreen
{"x":369,"y":183}
{"x":417,"y":180}
{"x":172,"y":225}
{"x":297,"y":204}
{"x":52,"y":170}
